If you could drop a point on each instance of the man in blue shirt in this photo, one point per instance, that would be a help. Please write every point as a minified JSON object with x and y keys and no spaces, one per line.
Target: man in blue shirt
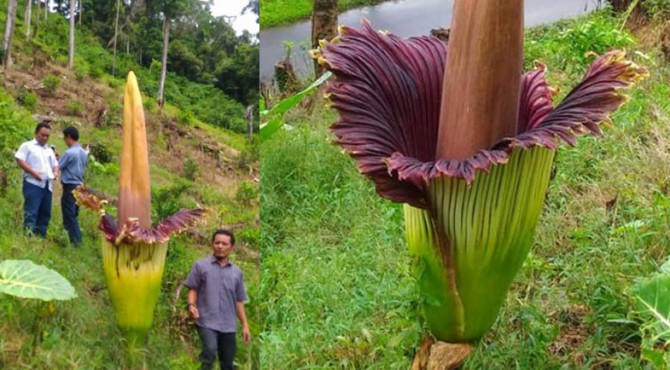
{"x":215,"y":300}
{"x":39,"y":167}
{"x":72,"y":165}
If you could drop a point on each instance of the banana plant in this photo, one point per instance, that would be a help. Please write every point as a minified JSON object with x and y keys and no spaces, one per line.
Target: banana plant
{"x":466,"y":141}
{"x":133,"y":252}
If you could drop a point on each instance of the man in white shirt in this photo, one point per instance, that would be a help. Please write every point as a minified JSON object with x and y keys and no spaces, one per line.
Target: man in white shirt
{"x":40,"y":169}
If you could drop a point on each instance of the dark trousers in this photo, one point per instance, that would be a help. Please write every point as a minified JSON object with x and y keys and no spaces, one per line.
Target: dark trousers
{"x":70,"y":213}
{"x":36,"y":208}
{"x":214,"y":341}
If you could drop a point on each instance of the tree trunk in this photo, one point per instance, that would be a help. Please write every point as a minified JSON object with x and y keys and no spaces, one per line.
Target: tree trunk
{"x":70,"y":58}
{"x":29,"y":9}
{"x":46,"y":10}
{"x":249,"y":115}
{"x":166,"y":40}
{"x":9,"y":33}
{"x":116,"y":35}
{"x":38,"y":14}
{"x":324,"y":25}
{"x":81,"y":10}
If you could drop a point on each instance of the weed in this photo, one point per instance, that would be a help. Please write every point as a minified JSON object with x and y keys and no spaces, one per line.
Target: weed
{"x":100,"y":152}
{"x":247,"y":193}
{"x":167,"y":201}
{"x":113,"y":115}
{"x":185,"y":117}
{"x":190,"y":169}
{"x":249,"y":154}
{"x":337,"y":289}
{"x":75,"y":108}
{"x":656,"y":9}
{"x":96,"y":72}
{"x":51,"y":83}
{"x":80,"y":72}
{"x":27,"y":99}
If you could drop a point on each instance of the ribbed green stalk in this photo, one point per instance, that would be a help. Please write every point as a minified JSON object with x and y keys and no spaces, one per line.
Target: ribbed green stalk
{"x":473,"y":240}
{"x":133,"y":273}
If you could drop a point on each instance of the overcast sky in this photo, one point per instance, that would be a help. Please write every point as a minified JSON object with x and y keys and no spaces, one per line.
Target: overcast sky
{"x":234,"y":8}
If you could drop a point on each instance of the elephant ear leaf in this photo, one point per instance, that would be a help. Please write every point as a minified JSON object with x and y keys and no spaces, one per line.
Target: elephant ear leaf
{"x":653,"y":296}
{"x":24,"y":279}
{"x":654,"y":300}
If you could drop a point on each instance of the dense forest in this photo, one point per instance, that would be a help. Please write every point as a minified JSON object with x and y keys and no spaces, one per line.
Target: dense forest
{"x":115,"y":37}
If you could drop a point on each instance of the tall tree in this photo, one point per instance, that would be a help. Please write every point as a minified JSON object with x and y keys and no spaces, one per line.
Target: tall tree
{"x":81,"y":10}
{"x":166,"y":40}
{"x":116,"y":35}
{"x":170,"y":9}
{"x":9,"y":33}
{"x":28,"y":16}
{"x":324,"y":25}
{"x":70,"y":57}
{"x":46,"y":10}
{"x":38,"y":14}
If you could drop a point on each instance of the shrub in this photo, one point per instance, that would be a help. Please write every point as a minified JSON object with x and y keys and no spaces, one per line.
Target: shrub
{"x":27,"y":99}
{"x":101,"y":153}
{"x":150,"y":104}
{"x":247,"y":193}
{"x":95,"y":72}
{"x":166,"y":201}
{"x":594,"y":35}
{"x":656,"y":9}
{"x":249,"y":154}
{"x":190,"y":170}
{"x":51,"y":83}
{"x":74,"y":108}
{"x":113,"y":115}
{"x":185,"y":117}
{"x":80,"y":72}
{"x":251,"y":237}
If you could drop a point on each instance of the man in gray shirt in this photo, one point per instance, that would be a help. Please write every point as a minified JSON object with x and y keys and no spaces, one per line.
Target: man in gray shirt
{"x":215,"y":299}
{"x":72,"y":164}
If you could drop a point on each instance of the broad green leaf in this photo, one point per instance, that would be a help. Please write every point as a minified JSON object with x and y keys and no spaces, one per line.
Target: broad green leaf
{"x":654,"y":301}
{"x":290,"y":102}
{"x":270,"y":127}
{"x":275,"y":114}
{"x":23,"y":278}
{"x":665,"y":268}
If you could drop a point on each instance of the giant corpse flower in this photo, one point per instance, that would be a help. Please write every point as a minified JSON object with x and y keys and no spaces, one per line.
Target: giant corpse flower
{"x":473,"y":193}
{"x":133,"y":252}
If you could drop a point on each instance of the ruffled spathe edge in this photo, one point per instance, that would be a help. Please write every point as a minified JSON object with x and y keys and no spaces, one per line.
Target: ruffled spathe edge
{"x":130,"y":231}
{"x":582,"y":111}
{"x":388,"y":91}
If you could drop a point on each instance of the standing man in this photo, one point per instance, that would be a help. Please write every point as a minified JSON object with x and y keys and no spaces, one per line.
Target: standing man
{"x":215,"y":298}
{"x":72,"y":165}
{"x":40,"y":168}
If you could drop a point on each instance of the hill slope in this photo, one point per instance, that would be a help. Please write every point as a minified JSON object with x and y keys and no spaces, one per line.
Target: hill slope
{"x":193,"y":163}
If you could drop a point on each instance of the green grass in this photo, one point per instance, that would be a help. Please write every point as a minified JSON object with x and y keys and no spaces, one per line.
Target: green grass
{"x":337,"y":289}
{"x":81,"y":334}
{"x":278,"y":12}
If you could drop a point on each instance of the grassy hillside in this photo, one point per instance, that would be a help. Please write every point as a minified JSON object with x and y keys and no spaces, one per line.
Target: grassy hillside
{"x":278,"y":12}
{"x":194,"y":161}
{"x":337,"y":286}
